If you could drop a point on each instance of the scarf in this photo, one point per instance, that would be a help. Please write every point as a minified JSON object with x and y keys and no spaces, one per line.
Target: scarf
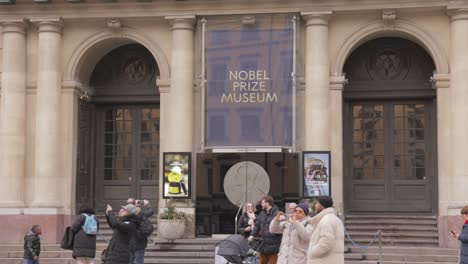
{"x":466,"y":222}
{"x":252,"y":217}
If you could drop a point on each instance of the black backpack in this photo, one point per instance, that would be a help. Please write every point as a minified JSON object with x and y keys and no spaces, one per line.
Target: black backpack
{"x":144,"y":228}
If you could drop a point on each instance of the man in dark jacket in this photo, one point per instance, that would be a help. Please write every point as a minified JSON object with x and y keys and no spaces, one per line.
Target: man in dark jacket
{"x":463,"y":236}
{"x":32,"y":245}
{"x":271,"y":242}
{"x":84,"y":245}
{"x":139,"y":240}
{"x":123,"y":227}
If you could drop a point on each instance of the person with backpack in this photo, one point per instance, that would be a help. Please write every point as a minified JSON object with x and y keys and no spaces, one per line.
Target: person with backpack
{"x":144,"y":229}
{"x":85,"y":228}
{"x":123,"y":227}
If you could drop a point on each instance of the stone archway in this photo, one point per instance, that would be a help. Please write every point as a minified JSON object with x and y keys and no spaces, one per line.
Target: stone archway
{"x":402,"y":28}
{"x":91,"y":50}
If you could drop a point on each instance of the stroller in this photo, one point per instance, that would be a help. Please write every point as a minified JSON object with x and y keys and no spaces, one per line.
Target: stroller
{"x":236,"y":249}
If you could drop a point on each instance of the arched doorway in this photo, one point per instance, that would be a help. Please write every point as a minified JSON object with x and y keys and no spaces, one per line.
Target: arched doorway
{"x":389,"y":128}
{"x":118,"y":139}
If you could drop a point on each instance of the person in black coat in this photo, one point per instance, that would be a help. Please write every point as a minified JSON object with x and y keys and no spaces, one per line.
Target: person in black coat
{"x":123,"y":227}
{"x":84,"y":246}
{"x":138,"y":242}
{"x":247,"y":220}
{"x":32,"y":245}
{"x":463,"y":236}
{"x":271,"y":242}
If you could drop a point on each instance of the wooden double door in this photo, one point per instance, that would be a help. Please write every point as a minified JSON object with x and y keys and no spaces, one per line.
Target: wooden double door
{"x":126,"y":154}
{"x":390,"y":156}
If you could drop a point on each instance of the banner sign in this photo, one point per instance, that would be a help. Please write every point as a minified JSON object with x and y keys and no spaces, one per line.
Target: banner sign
{"x":249,"y":91}
{"x":177,"y":175}
{"x":316,"y":173}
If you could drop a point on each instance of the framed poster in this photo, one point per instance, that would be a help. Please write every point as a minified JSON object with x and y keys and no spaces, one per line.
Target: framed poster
{"x":316,"y":173}
{"x":177,"y":175}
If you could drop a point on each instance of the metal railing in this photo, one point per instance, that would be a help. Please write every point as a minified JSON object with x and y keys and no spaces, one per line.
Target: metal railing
{"x":237,"y":215}
{"x":377,"y":237}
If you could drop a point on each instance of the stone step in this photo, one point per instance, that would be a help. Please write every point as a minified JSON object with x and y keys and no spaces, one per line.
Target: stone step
{"x":385,"y":221}
{"x":406,"y":250}
{"x":398,"y":242}
{"x":374,"y":227}
{"x":393,"y":262}
{"x":394,"y":234}
{"x":408,"y":217}
{"x":413,"y":258}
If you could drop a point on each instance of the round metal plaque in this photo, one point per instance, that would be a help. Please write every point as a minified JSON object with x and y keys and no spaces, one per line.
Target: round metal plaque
{"x":246,"y":181}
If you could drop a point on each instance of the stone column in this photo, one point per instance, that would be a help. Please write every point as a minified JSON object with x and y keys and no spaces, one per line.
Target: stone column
{"x":336,"y":139}
{"x":178,"y":121}
{"x":459,"y":107}
{"x":13,"y":115}
{"x":177,"y":110}
{"x":317,"y":78}
{"x":458,"y":130}
{"x":48,"y":161}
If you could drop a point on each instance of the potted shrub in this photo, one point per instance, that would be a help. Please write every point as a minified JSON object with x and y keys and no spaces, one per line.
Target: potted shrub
{"x":172,"y":223}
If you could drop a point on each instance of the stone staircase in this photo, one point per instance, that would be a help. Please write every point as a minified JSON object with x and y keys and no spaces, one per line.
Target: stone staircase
{"x":201,"y":251}
{"x":402,"y":255}
{"x":397,"y":230}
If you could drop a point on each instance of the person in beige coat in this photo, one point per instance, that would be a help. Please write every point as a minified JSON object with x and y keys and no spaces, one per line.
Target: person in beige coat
{"x":326,"y":244}
{"x":296,"y":234}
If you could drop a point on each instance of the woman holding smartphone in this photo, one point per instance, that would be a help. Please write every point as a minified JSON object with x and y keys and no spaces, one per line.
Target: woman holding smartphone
{"x":463,"y":236}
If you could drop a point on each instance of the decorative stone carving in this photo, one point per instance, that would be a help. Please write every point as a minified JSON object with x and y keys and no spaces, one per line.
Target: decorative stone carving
{"x":388,"y":19}
{"x":114,"y":24}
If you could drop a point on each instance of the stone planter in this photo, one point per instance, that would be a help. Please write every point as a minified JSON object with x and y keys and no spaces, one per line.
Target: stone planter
{"x":171,"y":229}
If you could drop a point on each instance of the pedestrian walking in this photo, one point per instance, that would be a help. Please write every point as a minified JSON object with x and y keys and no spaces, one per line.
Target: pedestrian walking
{"x":463,"y":236}
{"x":271,"y":242}
{"x":123,"y":226}
{"x":85,"y":228}
{"x":144,"y":228}
{"x":327,"y":239}
{"x":32,"y":245}
{"x":296,"y":235}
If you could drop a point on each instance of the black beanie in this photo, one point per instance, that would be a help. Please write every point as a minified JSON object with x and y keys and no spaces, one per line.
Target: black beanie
{"x":325,"y":201}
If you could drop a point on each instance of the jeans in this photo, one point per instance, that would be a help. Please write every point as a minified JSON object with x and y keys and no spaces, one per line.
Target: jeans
{"x":138,"y":257}
{"x":30,"y":261}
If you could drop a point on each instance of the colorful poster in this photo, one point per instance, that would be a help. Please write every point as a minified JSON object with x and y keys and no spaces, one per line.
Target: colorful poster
{"x":177,"y":175}
{"x":316,"y":173}
{"x":249,"y":89}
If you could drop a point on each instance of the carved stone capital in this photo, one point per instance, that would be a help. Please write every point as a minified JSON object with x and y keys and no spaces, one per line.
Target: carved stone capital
{"x":388,"y":19}
{"x":48,"y":24}
{"x":458,"y":14}
{"x":14,"y":26}
{"x":163,"y":85}
{"x":337,"y":82}
{"x":316,"y":18}
{"x":182,"y":22}
{"x":440,"y":80}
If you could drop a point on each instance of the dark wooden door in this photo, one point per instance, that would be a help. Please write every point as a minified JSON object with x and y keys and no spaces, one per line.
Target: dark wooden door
{"x":127,"y":154}
{"x":390,"y":156}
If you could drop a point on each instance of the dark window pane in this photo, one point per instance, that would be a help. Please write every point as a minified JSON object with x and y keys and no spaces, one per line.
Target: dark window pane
{"x":107,"y":174}
{"x":420,"y":173}
{"x":357,"y":111}
{"x":357,"y":149}
{"x":358,"y":174}
{"x":358,"y":162}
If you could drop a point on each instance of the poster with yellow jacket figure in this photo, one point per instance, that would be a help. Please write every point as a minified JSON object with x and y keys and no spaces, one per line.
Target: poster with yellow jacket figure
{"x":177,"y":174}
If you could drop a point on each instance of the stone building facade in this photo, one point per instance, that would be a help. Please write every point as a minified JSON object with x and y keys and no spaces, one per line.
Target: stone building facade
{"x":71,"y":68}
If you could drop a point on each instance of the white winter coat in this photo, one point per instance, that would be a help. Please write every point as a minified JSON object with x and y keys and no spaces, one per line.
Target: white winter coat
{"x":326,"y":244}
{"x":295,"y":241}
